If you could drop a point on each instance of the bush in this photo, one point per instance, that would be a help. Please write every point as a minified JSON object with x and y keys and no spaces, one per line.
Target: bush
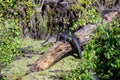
{"x":106,"y":47}
{"x":12,"y":12}
{"x":9,"y":40}
{"x":101,"y":57}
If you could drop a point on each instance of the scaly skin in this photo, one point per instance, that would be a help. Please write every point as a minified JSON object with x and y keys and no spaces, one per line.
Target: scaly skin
{"x":73,"y":40}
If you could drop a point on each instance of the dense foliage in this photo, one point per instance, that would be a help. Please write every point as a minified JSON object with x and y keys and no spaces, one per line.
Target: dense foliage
{"x":9,"y":34}
{"x":9,"y":40}
{"x":10,"y":16}
{"x":88,"y":12}
{"x":101,"y":57}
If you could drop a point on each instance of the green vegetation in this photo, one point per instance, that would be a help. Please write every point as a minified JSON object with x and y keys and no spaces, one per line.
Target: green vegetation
{"x":17,"y":68}
{"x":34,"y":45}
{"x":11,"y":13}
{"x":9,"y":40}
{"x":10,"y":16}
{"x":88,"y":14}
{"x":101,"y":57}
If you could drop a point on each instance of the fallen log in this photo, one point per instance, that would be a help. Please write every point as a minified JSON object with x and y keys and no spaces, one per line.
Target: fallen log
{"x":60,"y":49}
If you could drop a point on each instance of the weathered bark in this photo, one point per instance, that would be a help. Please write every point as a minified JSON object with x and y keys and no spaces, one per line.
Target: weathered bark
{"x":108,"y":14}
{"x":54,"y":2}
{"x":60,"y":49}
{"x":111,"y":13}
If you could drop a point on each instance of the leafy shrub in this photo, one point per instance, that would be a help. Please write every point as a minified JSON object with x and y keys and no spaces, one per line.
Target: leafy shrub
{"x":9,"y":40}
{"x":101,"y":57}
{"x":106,"y":62}
{"x":12,"y":13}
{"x":25,"y":11}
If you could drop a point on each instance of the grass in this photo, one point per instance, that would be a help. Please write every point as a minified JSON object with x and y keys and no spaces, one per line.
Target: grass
{"x":34,"y":45}
{"x":18,"y":67}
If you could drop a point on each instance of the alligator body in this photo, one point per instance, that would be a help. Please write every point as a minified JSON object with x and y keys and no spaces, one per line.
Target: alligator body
{"x":73,"y":41}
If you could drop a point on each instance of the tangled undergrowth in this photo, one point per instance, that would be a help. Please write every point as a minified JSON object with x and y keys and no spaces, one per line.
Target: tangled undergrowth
{"x":101,"y":57}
